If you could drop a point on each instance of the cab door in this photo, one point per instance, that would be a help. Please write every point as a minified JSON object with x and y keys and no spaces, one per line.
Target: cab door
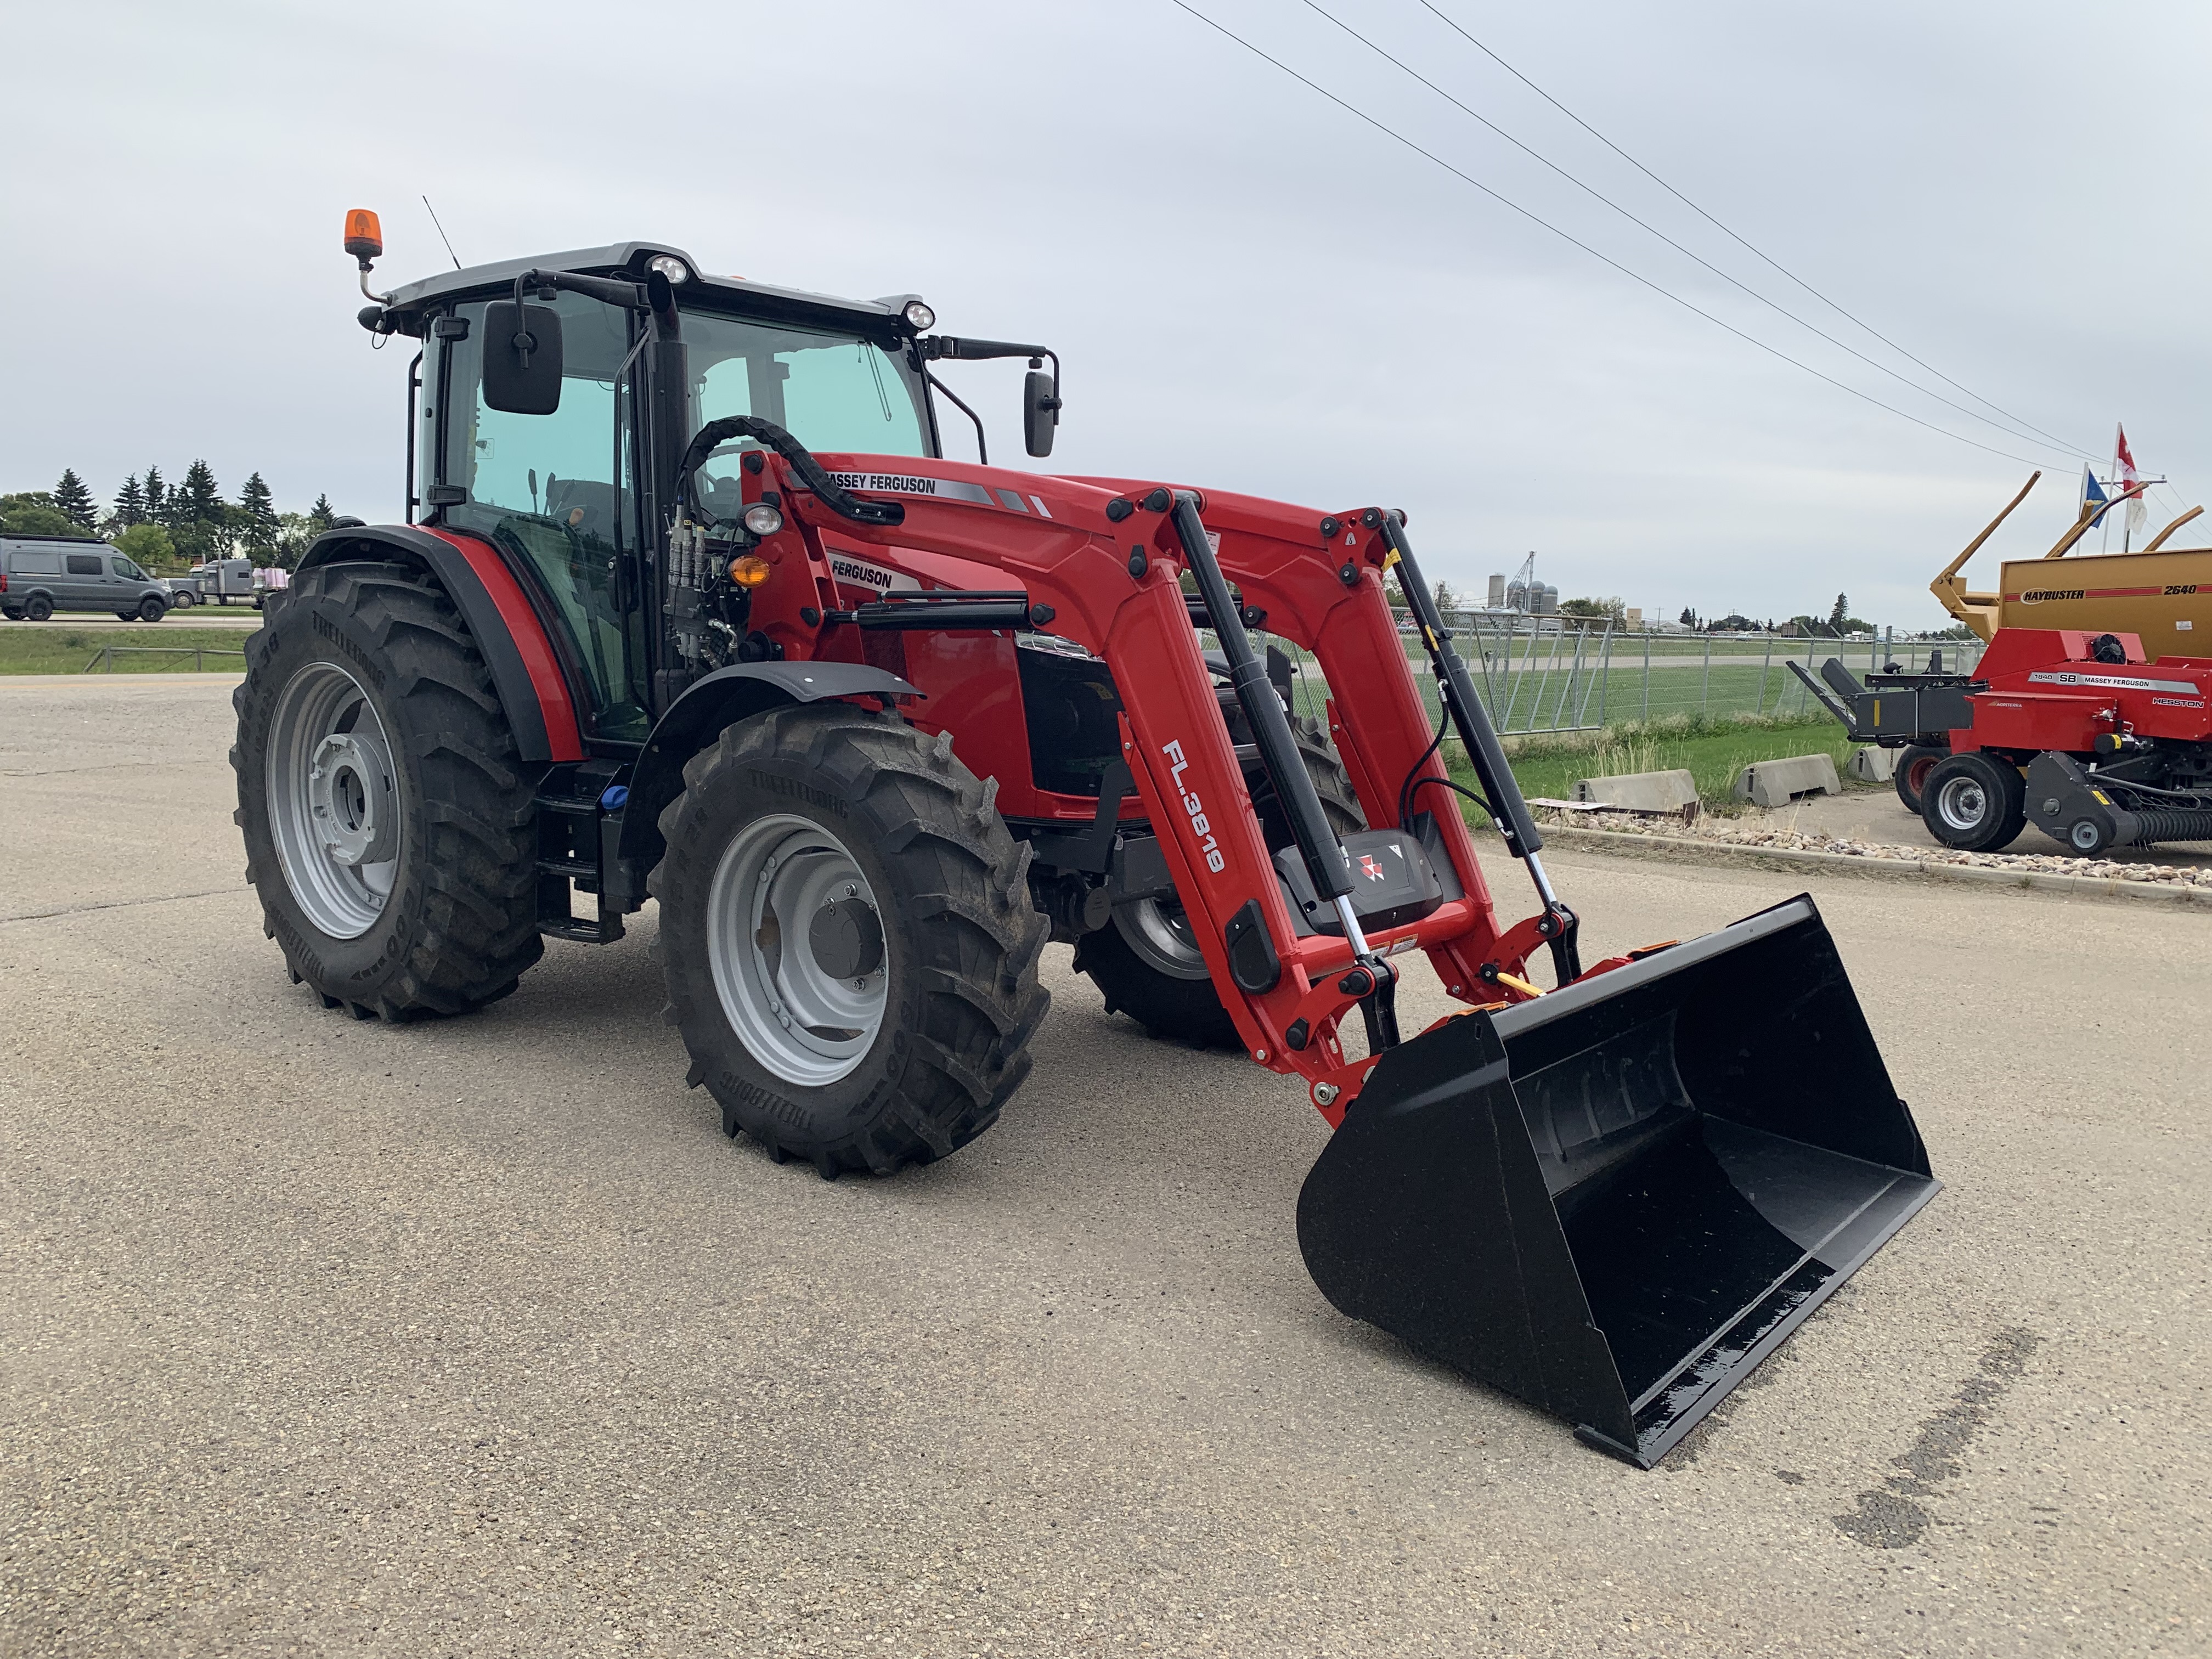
{"x":556,"y":494}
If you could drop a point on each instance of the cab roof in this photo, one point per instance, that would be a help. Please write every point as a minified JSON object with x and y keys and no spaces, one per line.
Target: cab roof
{"x":413,"y":302}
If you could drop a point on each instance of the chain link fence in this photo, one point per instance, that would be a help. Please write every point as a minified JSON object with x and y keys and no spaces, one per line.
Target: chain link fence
{"x":1535,"y":675}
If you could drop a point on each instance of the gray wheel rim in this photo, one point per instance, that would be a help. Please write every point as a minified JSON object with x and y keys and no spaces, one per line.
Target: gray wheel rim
{"x":1962,"y":803}
{"x":334,"y":800}
{"x":2087,"y":837}
{"x":1159,"y":933}
{"x":765,"y":929}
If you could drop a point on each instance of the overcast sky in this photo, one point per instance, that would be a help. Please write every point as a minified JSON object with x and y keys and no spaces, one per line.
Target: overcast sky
{"x":1250,"y":287}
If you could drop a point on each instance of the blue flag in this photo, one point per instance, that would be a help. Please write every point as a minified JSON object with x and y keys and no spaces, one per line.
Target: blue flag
{"x":2091,"y":491}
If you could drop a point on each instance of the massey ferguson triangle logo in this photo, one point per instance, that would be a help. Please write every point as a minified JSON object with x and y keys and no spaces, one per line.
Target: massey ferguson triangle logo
{"x":1369,"y":868}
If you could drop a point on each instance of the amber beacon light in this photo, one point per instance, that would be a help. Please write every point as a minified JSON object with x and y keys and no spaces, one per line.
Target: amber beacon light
{"x":364,"y":236}
{"x":364,"y":240}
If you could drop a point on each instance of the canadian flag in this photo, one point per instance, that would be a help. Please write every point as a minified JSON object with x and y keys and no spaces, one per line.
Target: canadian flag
{"x":2130,"y":485}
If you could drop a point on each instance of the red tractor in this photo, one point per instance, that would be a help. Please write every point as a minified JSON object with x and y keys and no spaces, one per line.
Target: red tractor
{"x":2077,"y":732}
{"x":690,"y":605}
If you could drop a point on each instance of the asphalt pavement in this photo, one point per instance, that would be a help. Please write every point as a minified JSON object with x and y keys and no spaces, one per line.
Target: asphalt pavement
{"x":477,"y":1337}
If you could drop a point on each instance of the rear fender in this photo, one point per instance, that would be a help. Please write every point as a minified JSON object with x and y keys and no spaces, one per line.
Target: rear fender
{"x":526,"y":673}
{"x":696,"y":719}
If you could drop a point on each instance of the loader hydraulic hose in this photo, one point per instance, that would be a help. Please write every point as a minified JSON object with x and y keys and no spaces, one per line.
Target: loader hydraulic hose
{"x":1488,"y":755}
{"x":1455,"y":687}
{"x":831,"y":493}
{"x":1324,"y":855}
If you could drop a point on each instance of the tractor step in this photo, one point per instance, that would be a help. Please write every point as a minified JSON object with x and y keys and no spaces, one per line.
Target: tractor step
{"x":568,"y":854}
{"x":604,"y":930}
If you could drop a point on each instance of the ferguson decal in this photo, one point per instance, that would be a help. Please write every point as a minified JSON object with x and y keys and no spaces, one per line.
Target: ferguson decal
{"x":873,"y":577}
{"x":914,"y":483}
{"x":1215,"y":860}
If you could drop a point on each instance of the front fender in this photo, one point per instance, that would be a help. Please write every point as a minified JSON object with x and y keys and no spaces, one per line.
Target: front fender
{"x":525,"y":670}
{"x":696,"y":719}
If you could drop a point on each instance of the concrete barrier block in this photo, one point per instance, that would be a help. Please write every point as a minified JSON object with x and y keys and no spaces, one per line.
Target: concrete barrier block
{"x":1641,"y":792}
{"x":1778,"y":783}
{"x":1873,"y":765}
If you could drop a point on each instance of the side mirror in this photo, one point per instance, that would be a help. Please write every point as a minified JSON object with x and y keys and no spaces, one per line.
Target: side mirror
{"x":1040,"y":412}
{"x":521,"y":358}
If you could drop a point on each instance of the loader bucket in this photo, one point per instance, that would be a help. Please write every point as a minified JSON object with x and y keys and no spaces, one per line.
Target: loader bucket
{"x":1614,"y":1201}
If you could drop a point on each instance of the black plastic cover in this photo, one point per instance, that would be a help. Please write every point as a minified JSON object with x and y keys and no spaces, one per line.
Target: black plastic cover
{"x":1392,"y":883}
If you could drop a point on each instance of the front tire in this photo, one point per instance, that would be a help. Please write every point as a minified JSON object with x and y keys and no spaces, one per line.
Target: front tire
{"x":845,"y":934}
{"x":150,"y":609}
{"x":1144,"y":961}
{"x":1975,"y":802}
{"x":390,"y":827}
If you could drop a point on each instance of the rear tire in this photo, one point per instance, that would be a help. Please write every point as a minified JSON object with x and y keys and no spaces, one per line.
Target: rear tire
{"x":1976,"y":803}
{"x":895,"y":1026}
{"x":38,"y":607}
{"x":390,"y":827}
{"x":1913,"y":766}
{"x":1144,"y":961}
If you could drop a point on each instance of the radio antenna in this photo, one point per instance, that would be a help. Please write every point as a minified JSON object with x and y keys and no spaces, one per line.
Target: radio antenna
{"x":442,"y":237}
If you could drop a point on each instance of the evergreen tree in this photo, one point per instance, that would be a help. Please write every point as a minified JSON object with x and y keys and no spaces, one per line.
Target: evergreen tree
{"x":73,"y":501}
{"x":199,"y":498}
{"x":1840,"y":615}
{"x":1688,"y":618}
{"x":199,"y":519}
{"x":157,"y":497}
{"x":323,"y":515}
{"x":130,"y":504}
{"x":256,"y":515}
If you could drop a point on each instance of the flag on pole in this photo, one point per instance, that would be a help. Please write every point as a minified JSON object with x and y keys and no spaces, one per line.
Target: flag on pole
{"x":2127,"y":481}
{"x":2093,"y":493}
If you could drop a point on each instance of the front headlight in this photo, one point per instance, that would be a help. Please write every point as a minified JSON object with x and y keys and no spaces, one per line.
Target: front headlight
{"x":669,"y":266}
{"x":762,"y":519}
{"x":919,"y":315}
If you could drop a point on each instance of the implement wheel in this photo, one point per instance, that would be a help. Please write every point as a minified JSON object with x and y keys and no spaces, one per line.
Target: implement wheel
{"x":1976,"y":803}
{"x":1913,"y":766}
{"x":388,"y":825}
{"x":1146,"y":963}
{"x":847,"y":938}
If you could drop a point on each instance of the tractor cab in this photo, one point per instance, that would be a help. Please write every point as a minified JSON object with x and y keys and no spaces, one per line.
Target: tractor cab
{"x":564,"y":454}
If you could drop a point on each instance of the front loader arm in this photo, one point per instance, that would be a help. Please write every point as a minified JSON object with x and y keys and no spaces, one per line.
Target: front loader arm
{"x":1103,"y":568}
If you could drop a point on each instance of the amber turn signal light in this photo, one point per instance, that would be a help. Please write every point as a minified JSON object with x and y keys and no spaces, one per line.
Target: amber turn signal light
{"x":364,"y":236}
{"x":748,"y":571}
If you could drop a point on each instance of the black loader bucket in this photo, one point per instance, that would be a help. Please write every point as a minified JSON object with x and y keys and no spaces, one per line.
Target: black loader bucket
{"x":1614,"y":1201}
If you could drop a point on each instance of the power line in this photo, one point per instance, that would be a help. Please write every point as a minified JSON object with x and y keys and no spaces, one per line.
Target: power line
{"x":1831,"y":304}
{"x":1972,"y":414}
{"x":1666,"y":294}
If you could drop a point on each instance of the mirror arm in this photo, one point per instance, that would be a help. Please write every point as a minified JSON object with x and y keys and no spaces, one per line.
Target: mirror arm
{"x":935,"y":346}
{"x":982,"y":452}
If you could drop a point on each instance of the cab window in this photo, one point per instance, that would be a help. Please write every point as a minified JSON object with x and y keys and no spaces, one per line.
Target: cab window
{"x":835,"y":393}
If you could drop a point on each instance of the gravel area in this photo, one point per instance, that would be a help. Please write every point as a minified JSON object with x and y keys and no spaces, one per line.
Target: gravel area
{"x":1766,"y":832}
